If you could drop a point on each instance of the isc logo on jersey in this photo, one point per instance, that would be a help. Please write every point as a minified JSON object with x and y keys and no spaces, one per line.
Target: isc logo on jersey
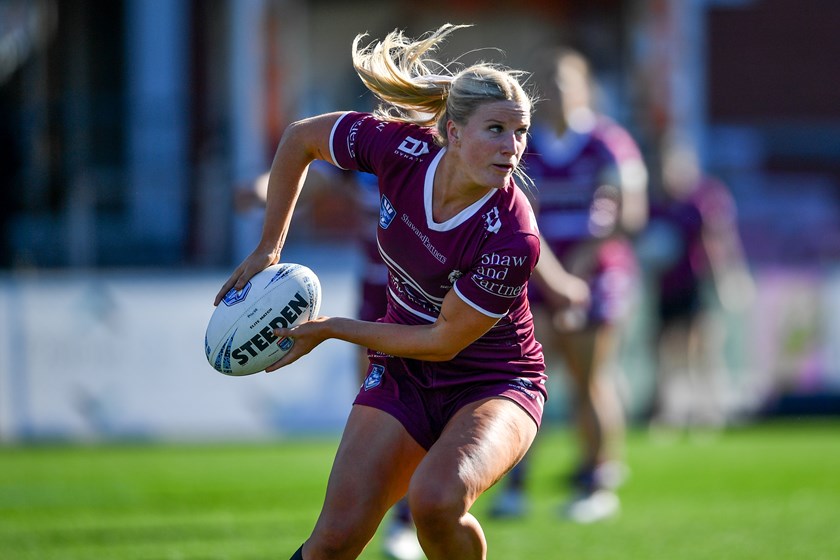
{"x":386,"y":212}
{"x":413,"y":147}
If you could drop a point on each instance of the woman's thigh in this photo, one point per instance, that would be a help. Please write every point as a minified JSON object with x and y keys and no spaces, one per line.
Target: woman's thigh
{"x":372,"y":469}
{"x":482,"y":442}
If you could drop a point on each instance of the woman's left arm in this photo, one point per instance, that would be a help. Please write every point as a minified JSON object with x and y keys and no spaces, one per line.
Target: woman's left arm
{"x":302,"y":142}
{"x":631,"y":178}
{"x":458,"y":325}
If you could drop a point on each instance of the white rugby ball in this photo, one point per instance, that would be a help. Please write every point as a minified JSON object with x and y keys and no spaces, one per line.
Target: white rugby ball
{"x":240,"y":336}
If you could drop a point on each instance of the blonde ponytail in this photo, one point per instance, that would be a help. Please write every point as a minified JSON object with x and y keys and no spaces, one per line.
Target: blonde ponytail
{"x":417,"y":88}
{"x":398,"y":71}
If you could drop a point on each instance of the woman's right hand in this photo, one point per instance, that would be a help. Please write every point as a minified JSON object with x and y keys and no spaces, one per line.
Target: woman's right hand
{"x":254,"y":263}
{"x":571,"y":292}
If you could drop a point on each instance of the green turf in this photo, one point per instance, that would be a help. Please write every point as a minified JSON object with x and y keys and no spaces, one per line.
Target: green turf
{"x":763,"y":492}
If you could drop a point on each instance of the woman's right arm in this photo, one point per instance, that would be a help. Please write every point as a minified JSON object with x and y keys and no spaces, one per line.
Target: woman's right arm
{"x":302,"y":142}
{"x":560,"y":288}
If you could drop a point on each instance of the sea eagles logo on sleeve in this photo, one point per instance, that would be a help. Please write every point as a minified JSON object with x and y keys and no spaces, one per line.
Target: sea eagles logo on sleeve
{"x":413,"y":148}
{"x":492,"y":223}
{"x":386,"y":212}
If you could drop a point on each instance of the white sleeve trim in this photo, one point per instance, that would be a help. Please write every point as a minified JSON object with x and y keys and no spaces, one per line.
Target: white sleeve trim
{"x":332,"y":136}
{"x":475,"y":306}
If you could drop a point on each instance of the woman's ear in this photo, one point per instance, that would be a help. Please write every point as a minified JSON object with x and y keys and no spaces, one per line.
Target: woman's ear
{"x":453,"y":133}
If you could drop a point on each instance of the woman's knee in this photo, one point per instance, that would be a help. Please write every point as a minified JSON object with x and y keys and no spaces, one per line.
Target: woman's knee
{"x":434,"y":503}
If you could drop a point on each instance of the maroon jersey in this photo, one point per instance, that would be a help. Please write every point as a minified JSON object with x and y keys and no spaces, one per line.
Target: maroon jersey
{"x":570,"y":171}
{"x":485,"y":253}
{"x":373,"y":293}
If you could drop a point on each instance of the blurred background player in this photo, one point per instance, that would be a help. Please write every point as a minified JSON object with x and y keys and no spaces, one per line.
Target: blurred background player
{"x":591,"y":191}
{"x":693,"y":252}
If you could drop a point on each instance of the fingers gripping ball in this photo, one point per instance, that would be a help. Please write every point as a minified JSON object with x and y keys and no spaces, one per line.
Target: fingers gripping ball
{"x":240,"y":336}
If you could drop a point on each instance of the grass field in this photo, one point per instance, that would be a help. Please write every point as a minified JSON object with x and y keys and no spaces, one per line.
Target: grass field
{"x":765,"y":492}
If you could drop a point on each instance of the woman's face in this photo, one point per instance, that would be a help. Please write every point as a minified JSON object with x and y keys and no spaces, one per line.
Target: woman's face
{"x":492,"y":142}
{"x":565,"y":89}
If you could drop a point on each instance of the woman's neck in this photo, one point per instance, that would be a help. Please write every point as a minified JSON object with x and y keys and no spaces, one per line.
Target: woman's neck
{"x":452,"y":189}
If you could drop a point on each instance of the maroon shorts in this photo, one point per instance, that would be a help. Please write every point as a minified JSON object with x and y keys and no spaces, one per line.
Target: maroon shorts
{"x":392,"y":386}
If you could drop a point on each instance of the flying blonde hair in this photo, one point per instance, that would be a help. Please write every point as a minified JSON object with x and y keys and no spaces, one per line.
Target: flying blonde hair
{"x":419,"y":89}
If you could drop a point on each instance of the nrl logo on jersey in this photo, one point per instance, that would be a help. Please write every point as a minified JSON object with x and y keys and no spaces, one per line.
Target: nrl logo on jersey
{"x":492,"y":223}
{"x":413,"y":148}
{"x":374,"y":378}
{"x":386,"y":212}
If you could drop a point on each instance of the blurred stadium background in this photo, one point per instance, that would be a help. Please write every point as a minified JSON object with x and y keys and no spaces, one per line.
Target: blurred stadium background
{"x":129,"y":129}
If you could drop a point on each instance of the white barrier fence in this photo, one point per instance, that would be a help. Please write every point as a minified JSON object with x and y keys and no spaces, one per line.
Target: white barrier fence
{"x":119,"y":354}
{"x":100,"y":355}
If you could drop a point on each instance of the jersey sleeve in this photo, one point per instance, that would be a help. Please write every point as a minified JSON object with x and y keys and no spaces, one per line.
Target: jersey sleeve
{"x":500,"y":274}
{"x":360,"y":142}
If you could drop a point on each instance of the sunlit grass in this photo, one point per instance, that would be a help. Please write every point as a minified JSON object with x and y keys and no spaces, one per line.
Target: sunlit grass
{"x":765,"y":492}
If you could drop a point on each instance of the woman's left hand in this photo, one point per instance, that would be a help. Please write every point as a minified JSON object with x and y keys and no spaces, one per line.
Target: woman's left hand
{"x":254,"y":263}
{"x":305,"y":337}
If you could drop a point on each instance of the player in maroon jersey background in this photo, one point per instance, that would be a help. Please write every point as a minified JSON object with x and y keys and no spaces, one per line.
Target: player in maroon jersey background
{"x":591,"y":191}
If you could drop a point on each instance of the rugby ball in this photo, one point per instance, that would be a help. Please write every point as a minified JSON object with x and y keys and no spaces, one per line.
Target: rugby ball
{"x":240,"y":336}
